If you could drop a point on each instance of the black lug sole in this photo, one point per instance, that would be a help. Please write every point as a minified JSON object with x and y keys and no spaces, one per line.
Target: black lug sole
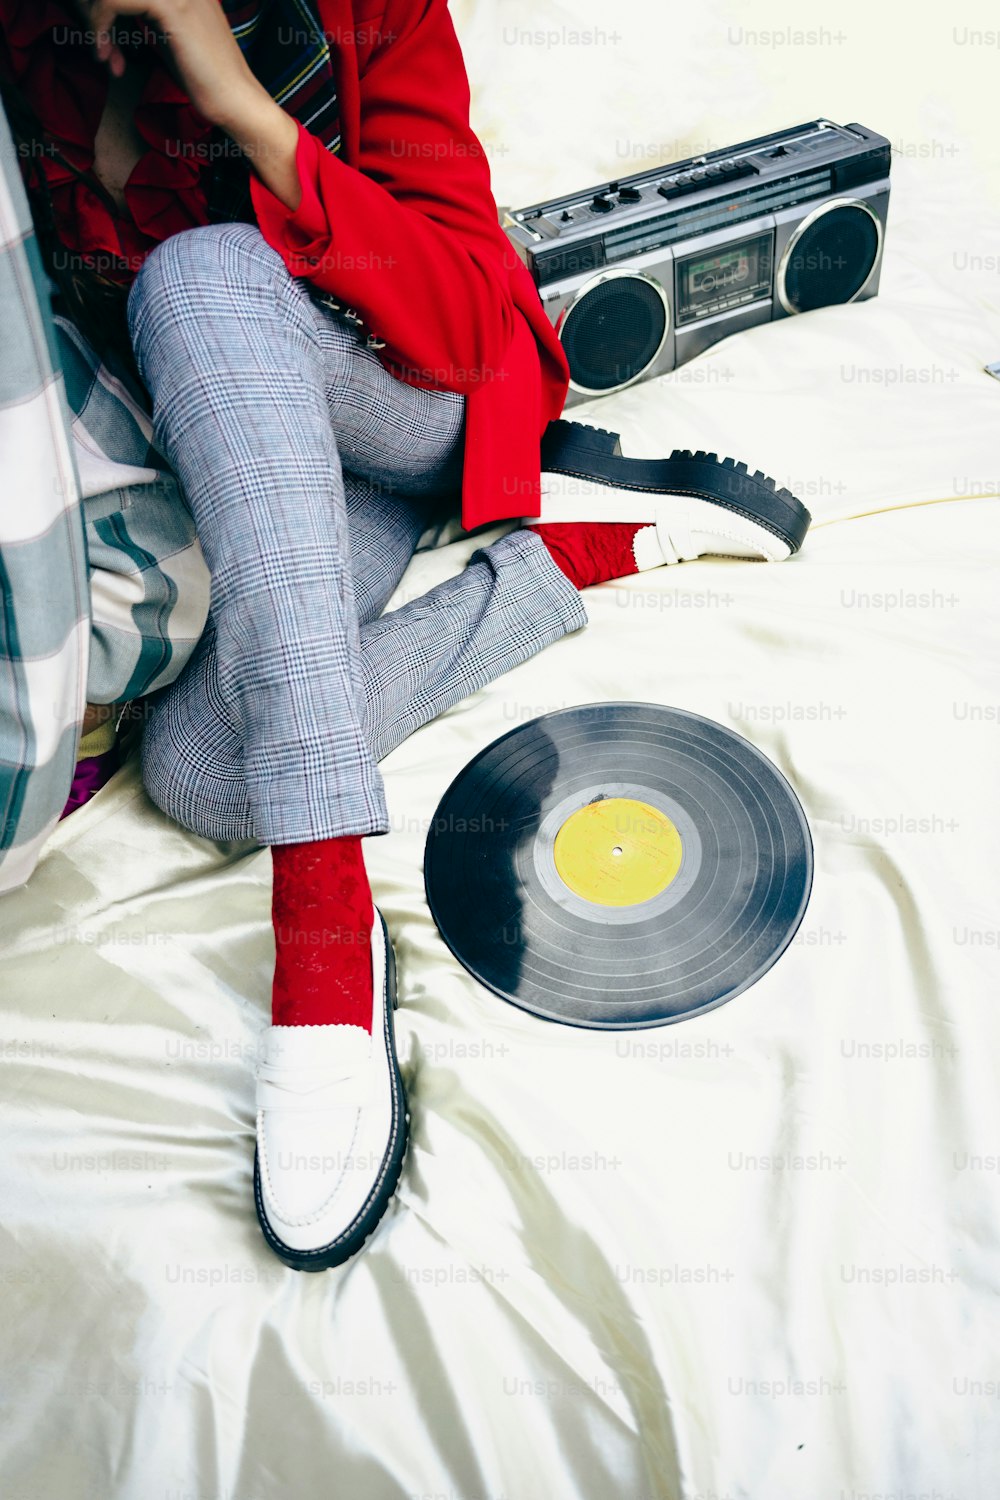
{"x":595,"y":453}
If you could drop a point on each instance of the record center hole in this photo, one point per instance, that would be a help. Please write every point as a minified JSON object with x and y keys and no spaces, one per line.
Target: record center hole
{"x":617,"y":849}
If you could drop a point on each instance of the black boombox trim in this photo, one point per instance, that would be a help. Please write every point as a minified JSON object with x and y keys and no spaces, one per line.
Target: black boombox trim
{"x":640,"y":274}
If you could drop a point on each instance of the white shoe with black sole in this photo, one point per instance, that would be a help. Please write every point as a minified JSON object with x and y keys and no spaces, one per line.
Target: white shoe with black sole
{"x":688,"y":505}
{"x":331,"y":1129}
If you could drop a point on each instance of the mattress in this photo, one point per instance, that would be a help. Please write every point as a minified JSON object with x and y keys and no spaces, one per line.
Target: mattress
{"x":752,"y":1256}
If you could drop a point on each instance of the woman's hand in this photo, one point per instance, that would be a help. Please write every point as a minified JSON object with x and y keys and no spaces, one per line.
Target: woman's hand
{"x":204,"y":51}
{"x":215,"y":76}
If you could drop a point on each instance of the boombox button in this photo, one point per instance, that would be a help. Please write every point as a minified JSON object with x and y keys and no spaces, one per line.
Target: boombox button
{"x":730,"y":170}
{"x":678,"y":187}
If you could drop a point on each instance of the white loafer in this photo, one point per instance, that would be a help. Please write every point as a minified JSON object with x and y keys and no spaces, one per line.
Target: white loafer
{"x":690,"y":504}
{"x":331,"y":1129}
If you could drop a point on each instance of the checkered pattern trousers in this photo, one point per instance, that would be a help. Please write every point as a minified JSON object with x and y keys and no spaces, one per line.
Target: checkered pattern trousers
{"x":311,"y":473}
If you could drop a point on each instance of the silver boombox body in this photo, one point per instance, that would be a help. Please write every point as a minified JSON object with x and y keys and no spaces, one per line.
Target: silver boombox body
{"x":641,"y":274}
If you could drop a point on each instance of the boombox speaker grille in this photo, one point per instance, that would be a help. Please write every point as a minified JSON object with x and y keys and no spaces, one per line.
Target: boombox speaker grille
{"x":613,"y":331}
{"x":830,"y":257}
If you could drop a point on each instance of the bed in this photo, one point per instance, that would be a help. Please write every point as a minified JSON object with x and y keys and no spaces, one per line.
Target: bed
{"x":753,"y":1256}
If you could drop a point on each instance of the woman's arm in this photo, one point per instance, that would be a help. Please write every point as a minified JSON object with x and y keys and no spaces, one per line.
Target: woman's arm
{"x":216,"y":78}
{"x":410,"y":238}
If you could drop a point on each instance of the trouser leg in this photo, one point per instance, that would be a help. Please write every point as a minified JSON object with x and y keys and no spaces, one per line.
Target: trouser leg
{"x":416,"y":662}
{"x":400,"y":442}
{"x":227,"y":344}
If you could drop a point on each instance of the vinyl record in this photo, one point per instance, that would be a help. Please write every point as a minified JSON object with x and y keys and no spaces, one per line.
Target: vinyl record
{"x":618,"y":865}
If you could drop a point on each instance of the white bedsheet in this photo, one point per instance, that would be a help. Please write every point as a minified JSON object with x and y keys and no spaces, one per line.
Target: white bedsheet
{"x":749,"y":1257}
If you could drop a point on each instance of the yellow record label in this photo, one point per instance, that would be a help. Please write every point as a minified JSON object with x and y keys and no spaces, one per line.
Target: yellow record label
{"x":617,"y":851}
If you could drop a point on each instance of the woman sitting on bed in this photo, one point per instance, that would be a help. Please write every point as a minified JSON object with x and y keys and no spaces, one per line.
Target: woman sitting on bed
{"x":291,"y":228}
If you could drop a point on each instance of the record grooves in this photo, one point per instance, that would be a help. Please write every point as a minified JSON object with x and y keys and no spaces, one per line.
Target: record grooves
{"x":618,"y":865}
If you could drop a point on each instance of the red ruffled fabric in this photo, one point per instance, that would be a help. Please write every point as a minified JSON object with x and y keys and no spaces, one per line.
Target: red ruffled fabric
{"x":54,"y":66}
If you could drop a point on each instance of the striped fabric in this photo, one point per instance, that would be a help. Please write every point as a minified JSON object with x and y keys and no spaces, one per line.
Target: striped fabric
{"x":44,"y":610}
{"x":84,"y":492}
{"x":288,"y":50}
{"x":149,"y":583}
{"x":289,"y":53}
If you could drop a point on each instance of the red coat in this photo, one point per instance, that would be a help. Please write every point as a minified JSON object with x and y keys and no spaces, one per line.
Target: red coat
{"x":402,"y":226}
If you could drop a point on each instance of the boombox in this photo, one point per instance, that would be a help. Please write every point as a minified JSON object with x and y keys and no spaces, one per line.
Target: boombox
{"x":642,"y":274}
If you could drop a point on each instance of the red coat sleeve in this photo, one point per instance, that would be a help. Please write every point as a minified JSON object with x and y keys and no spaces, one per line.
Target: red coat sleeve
{"x":409,"y":238}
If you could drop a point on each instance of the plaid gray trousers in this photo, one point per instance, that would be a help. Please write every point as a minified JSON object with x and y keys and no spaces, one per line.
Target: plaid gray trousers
{"x":311,"y":473}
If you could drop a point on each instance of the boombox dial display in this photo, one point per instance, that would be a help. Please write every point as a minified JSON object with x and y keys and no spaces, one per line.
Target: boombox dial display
{"x":642,"y":274}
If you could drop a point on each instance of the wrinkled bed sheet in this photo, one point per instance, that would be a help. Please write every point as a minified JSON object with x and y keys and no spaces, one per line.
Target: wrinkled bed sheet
{"x":749,"y":1257}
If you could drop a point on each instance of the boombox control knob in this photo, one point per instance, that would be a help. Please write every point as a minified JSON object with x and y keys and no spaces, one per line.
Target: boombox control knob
{"x":629,"y":195}
{"x":601,"y":204}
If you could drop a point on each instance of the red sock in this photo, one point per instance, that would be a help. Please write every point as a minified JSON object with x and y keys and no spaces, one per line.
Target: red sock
{"x":590,"y":553}
{"x":323,"y":914}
